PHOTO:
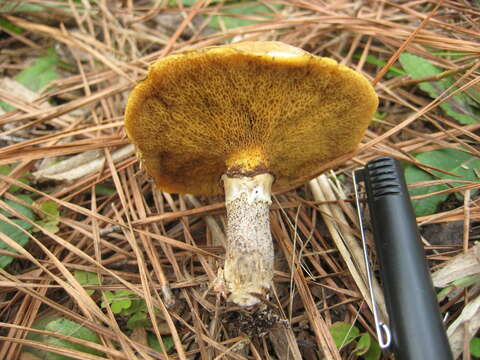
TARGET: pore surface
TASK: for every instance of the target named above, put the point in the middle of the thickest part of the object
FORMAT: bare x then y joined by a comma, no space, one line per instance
198,114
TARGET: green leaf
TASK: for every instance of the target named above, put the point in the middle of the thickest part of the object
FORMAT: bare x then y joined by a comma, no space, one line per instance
50,207
4,23
19,208
127,303
125,293
459,284
374,352
139,319
188,3
49,226
50,222
109,297
119,305
154,344
119,300
343,333
18,7
243,9
11,231
16,235
22,6
65,327
392,70
475,347
86,278
38,75
6,170
451,160
23,179
41,72
458,106
381,116
137,306
363,344
103,189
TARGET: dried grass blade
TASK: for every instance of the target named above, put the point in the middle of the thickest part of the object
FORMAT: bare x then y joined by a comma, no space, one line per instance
344,240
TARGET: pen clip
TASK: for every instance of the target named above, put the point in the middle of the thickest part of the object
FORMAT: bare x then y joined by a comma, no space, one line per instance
383,332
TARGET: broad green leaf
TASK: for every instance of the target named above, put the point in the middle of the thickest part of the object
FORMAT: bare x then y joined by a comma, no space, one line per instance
11,231
451,160
154,344
15,188
64,327
86,278
458,107
40,72
374,352
475,347
363,344
343,333
6,170
16,235
21,209
38,75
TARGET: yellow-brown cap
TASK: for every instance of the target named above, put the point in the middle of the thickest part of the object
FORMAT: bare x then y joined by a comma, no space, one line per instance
245,108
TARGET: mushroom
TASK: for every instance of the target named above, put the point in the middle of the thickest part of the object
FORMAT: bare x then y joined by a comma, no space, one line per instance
250,115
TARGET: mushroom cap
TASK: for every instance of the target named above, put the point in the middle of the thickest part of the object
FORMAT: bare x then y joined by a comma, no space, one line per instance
244,109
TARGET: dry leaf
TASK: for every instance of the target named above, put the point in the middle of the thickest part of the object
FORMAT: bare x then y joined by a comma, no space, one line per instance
470,319
81,165
460,266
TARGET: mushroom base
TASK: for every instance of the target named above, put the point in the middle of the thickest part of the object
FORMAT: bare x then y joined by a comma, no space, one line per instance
248,270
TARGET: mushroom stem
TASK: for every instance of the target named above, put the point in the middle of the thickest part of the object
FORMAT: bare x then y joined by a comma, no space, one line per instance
249,260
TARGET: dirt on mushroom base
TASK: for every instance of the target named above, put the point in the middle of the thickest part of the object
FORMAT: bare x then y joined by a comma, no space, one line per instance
255,322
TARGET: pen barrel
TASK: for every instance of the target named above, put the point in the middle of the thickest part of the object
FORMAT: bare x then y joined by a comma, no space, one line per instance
415,320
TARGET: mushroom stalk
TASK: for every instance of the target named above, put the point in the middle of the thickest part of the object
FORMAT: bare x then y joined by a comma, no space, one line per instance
248,267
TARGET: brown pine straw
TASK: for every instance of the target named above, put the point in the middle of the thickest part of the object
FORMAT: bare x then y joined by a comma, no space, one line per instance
167,247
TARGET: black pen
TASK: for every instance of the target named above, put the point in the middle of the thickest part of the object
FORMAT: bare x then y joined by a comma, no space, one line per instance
416,326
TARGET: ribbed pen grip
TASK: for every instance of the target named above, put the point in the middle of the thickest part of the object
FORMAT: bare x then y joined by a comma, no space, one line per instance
415,320
384,178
